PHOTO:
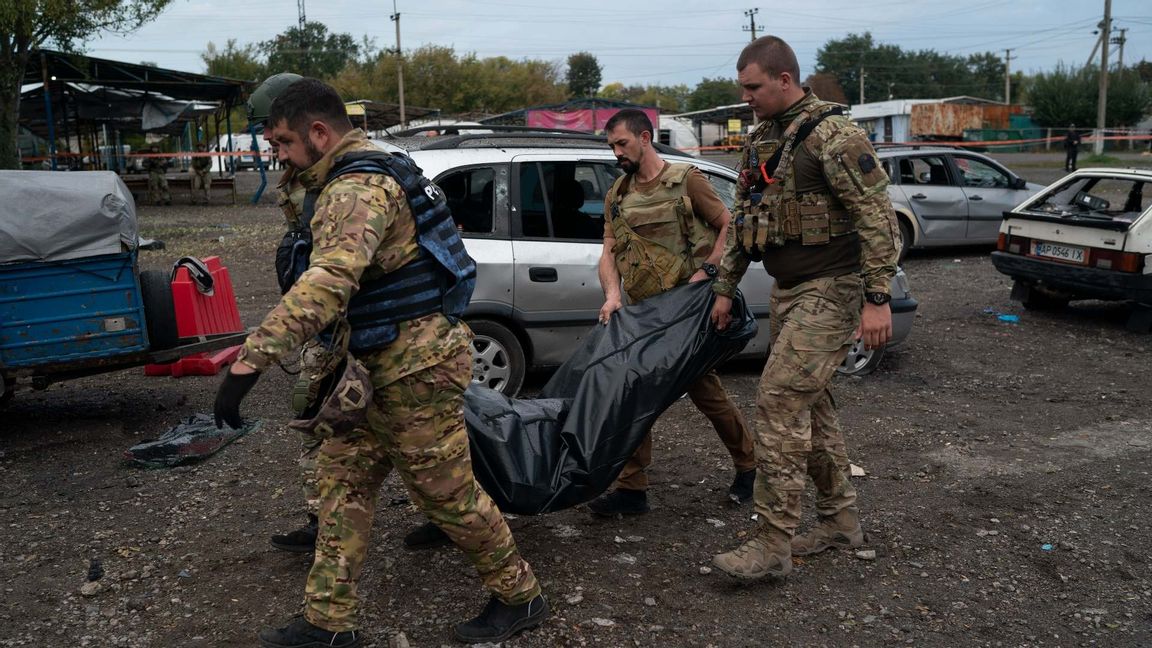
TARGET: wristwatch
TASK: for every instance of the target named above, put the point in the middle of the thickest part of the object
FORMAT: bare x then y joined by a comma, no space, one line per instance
877,298
710,270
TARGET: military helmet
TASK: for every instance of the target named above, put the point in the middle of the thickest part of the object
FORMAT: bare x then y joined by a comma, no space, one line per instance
260,102
341,404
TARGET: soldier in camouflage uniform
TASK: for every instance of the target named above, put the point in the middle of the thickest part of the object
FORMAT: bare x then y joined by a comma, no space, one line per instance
812,204
157,180
201,178
664,226
291,198
364,229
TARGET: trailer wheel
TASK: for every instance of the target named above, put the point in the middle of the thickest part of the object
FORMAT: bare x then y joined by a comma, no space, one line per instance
159,310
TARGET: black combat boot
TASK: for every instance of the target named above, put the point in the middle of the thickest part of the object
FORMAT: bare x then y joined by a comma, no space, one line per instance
302,540
299,633
622,501
741,489
426,536
499,620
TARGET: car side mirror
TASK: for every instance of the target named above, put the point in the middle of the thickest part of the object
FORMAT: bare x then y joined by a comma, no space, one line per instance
1019,183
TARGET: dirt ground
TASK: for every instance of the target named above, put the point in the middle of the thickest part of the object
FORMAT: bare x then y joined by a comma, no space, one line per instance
1007,497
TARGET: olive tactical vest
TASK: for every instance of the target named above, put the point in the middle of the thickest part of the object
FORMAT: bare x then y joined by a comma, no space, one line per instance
772,212
659,242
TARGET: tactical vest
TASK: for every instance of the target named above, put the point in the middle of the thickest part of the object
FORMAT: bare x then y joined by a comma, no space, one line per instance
440,280
772,212
655,233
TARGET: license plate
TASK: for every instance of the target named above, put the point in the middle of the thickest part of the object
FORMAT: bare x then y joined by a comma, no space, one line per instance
1069,253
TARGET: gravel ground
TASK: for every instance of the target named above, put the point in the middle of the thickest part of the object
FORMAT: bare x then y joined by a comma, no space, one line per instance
1006,498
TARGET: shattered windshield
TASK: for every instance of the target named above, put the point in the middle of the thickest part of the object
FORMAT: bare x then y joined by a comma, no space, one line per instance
1103,198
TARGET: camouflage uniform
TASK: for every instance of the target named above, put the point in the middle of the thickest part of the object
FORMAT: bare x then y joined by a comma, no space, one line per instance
829,235
363,228
660,242
201,179
291,201
157,180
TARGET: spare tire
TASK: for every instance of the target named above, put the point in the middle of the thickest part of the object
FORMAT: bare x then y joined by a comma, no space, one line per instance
159,310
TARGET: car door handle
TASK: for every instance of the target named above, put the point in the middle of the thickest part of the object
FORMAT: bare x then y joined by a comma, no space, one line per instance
918,196
544,275
975,198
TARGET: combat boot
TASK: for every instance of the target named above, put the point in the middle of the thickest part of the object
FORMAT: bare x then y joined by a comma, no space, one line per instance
299,633
622,501
766,554
839,531
302,540
426,536
498,620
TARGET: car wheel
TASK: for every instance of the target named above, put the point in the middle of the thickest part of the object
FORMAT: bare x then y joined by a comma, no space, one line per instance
497,357
906,239
860,361
1038,299
159,310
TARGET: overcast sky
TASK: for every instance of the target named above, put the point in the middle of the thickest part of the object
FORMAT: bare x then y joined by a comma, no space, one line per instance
664,42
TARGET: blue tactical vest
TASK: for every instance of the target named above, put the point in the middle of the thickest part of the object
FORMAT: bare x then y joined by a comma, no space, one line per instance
440,280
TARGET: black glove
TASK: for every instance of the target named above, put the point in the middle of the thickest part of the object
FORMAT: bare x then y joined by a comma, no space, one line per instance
232,390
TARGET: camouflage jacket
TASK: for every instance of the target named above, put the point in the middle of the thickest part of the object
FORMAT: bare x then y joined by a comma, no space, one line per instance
155,164
291,198
846,169
362,229
202,163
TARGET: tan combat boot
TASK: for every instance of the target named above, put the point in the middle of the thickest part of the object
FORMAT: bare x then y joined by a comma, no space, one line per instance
766,554
839,531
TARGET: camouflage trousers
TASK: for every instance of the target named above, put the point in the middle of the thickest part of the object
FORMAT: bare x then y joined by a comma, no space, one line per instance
709,397
201,181
417,427
798,433
158,189
309,443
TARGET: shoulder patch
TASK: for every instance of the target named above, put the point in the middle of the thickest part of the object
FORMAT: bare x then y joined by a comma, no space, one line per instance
866,162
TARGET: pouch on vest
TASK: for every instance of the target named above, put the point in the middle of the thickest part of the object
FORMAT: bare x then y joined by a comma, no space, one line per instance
339,393
291,255
646,267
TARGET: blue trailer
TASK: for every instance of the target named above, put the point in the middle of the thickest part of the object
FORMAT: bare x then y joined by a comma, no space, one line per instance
73,301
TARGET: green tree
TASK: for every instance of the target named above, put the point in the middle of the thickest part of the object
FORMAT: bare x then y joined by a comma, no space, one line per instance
65,24
1069,96
310,51
234,62
924,74
437,77
827,87
583,75
710,93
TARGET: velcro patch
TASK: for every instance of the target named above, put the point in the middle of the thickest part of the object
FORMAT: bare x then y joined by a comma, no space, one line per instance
866,163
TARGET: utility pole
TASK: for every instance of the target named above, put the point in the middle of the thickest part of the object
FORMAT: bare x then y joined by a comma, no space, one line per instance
1008,77
303,44
399,62
1102,98
751,13
862,75
1120,40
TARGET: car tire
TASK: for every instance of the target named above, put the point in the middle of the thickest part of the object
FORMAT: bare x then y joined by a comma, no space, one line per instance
159,310
860,361
906,239
497,357
1038,299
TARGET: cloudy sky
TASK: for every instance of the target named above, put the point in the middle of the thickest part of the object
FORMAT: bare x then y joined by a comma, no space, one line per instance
665,42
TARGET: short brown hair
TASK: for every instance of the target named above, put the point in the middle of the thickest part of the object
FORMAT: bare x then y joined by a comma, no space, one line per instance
306,101
637,122
773,55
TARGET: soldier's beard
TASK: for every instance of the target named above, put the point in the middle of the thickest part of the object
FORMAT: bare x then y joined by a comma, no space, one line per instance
314,154
627,165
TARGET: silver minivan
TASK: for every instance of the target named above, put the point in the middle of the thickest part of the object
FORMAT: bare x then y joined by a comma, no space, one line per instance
531,209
